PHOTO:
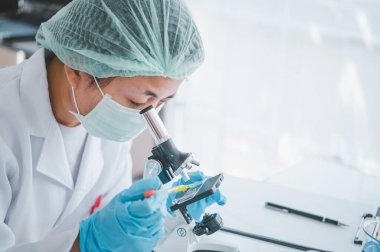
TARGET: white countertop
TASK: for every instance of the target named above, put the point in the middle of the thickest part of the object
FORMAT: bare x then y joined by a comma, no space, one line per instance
311,190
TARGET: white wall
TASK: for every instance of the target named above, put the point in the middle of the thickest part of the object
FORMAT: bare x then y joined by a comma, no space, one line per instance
283,80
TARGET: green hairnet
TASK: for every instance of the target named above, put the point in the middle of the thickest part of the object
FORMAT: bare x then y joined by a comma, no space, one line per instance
108,38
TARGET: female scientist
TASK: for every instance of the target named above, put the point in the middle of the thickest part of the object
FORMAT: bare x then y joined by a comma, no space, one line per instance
67,115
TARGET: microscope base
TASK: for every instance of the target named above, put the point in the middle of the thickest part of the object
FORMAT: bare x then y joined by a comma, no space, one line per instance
211,246
182,239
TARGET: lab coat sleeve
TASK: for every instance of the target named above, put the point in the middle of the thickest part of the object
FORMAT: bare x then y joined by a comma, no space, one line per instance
8,175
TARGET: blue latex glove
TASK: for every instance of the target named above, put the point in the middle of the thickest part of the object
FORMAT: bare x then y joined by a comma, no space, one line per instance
197,209
128,222
371,246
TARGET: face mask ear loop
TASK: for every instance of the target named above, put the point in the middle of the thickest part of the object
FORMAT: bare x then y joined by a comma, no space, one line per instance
75,100
97,84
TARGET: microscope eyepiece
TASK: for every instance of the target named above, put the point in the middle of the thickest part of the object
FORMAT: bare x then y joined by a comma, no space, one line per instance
156,126
146,109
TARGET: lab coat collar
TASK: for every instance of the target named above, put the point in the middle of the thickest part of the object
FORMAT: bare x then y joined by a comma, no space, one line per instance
34,96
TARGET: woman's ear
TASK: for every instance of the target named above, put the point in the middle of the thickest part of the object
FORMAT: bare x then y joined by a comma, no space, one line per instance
76,77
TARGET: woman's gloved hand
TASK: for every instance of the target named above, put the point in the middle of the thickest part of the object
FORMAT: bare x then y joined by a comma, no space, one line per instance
197,209
371,246
128,222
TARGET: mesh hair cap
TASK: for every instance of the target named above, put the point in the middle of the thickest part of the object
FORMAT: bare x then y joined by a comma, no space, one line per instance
108,38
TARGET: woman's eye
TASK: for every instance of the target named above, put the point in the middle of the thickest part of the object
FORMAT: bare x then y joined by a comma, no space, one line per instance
165,100
136,104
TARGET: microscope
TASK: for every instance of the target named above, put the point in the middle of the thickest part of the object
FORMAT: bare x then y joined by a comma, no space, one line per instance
167,162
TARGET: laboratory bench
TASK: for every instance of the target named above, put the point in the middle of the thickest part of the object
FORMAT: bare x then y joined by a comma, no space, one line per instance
321,187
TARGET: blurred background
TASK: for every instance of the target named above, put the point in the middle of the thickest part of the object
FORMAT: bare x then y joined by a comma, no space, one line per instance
289,89
283,80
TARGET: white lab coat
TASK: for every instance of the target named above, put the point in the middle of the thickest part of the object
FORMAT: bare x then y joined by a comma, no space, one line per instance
40,208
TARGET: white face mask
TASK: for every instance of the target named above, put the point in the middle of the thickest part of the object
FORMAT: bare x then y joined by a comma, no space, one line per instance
111,120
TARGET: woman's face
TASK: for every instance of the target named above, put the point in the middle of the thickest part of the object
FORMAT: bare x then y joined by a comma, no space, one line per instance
132,92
